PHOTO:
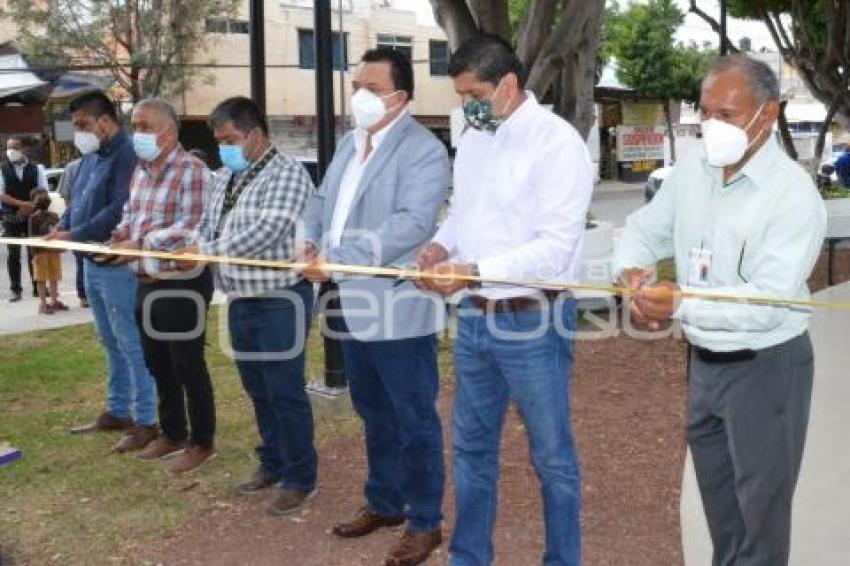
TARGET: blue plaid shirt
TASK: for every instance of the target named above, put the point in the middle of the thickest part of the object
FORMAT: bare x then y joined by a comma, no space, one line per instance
261,224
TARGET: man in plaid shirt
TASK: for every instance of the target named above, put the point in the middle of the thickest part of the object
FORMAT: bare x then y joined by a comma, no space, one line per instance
168,193
253,213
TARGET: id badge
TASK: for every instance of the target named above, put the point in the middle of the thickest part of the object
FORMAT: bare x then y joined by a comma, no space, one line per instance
699,267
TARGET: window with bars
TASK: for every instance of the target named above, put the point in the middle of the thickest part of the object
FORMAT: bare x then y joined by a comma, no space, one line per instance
307,50
439,58
219,25
397,42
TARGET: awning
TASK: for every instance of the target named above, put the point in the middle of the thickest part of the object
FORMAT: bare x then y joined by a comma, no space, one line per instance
805,111
15,77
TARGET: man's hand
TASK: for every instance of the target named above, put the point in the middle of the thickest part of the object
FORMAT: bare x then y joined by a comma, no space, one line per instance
431,255
119,259
306,253
449,283
632,281
657,303
59,235
187,264
26,208
315,274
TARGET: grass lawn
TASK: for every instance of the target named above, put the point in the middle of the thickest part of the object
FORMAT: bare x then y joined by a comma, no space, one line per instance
70,501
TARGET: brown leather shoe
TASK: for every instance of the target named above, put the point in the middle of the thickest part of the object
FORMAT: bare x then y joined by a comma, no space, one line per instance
414,548
105,422
288,501
259,481
137,438
364,522
192,458
162,449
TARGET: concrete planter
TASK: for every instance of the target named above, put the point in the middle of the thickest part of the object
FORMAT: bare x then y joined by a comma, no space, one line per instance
838,218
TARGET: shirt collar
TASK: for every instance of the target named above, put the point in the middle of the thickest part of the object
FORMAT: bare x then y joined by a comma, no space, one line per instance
361,135
112,143
520,113
761,164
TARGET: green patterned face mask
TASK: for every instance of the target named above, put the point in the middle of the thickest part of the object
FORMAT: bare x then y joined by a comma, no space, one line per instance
479,113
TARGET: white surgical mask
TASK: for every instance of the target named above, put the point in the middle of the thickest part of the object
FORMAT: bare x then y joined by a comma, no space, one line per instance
368,108
725,143
146,146
14,155
86,142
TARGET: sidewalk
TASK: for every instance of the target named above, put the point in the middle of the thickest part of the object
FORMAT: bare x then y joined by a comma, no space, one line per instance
607,186
822,501
23,316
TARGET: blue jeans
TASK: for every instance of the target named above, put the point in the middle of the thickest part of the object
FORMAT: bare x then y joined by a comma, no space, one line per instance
267,325
393,387
131,390
490,369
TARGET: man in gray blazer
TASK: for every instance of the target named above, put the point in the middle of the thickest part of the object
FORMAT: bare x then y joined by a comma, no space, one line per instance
377,206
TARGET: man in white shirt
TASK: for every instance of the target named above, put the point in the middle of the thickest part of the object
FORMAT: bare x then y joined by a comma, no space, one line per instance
19,177
377,206
522,185
741,219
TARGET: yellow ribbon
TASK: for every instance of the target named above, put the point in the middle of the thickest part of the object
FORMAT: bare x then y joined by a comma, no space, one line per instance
397,273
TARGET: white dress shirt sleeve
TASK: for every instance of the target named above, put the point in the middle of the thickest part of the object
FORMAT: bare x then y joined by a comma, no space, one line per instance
562,194
446,235
781,267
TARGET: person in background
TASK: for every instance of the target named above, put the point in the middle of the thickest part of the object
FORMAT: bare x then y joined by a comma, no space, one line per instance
842,167
741,219
66,190
19,176
47,263
100,191
168,194
257,202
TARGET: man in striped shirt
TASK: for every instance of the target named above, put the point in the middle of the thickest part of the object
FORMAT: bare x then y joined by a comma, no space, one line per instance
253,213
168,193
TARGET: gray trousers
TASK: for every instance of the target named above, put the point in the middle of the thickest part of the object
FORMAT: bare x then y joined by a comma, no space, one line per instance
747,424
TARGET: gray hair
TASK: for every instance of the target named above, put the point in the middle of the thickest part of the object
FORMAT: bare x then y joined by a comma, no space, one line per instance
763,82
163,107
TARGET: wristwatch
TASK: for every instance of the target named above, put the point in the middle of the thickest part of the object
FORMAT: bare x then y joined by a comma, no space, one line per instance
474,272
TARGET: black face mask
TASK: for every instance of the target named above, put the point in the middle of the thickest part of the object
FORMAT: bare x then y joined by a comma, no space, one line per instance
42,203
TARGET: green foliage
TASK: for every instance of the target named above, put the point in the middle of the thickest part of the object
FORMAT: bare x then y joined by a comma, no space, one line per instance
809,23
836,191
143,43
649,59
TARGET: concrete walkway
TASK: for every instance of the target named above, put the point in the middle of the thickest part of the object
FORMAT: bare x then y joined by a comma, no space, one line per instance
23,316
822,502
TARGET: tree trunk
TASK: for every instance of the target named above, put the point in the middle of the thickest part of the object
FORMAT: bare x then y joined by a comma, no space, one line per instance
492,16
785,133
456,20
671,135
830,115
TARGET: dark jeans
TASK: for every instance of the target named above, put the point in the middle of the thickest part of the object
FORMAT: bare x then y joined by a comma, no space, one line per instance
747,425
172,320
13,260
269,335
394,388
81,281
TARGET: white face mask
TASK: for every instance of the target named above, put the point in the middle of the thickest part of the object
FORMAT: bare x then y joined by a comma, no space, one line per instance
86,142
726,144
14,155
368,108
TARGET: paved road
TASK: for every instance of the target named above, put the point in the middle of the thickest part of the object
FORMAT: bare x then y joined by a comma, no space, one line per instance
615,205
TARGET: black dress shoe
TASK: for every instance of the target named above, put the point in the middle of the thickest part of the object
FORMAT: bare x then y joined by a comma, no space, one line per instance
15,298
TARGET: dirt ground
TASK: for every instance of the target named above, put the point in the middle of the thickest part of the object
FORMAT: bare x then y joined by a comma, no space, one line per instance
628,411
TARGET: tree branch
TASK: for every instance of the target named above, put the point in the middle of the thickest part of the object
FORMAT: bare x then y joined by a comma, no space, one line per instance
715,26
456,20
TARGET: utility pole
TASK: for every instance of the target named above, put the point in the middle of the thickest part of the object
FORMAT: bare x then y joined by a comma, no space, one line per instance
335,381
258,53
724,48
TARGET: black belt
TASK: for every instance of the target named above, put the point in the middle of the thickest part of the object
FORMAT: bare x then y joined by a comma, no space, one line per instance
513,304
712,357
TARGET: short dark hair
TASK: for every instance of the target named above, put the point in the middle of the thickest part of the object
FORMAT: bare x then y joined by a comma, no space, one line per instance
488,56
243,112
401,68
95,104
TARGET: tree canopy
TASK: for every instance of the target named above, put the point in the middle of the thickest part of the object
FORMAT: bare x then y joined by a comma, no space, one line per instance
144,44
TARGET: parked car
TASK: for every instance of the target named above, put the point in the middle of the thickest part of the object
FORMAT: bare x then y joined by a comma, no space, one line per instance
57,203
653,183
